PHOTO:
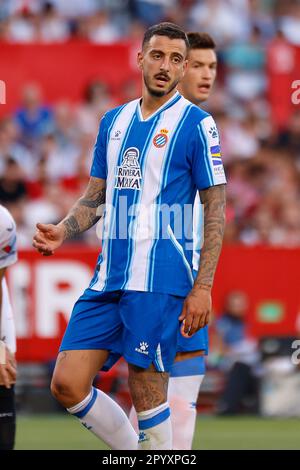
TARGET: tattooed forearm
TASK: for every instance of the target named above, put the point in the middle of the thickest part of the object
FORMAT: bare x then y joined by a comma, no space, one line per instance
100,198
71,227
148,388
85,213
214,223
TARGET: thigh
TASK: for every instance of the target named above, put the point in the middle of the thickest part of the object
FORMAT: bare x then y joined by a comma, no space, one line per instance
78,368
148,387
150,325
94,324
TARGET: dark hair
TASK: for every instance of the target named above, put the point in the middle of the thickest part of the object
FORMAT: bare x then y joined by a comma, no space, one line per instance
171,30
200,41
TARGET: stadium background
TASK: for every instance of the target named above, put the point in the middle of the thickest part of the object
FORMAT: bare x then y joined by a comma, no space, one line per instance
66,63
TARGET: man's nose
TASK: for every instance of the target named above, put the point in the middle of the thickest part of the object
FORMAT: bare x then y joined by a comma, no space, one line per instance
165,64
207,73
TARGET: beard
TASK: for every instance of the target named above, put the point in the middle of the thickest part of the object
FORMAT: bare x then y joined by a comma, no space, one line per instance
159,93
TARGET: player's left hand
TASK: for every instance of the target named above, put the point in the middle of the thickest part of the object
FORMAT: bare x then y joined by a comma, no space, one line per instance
196,311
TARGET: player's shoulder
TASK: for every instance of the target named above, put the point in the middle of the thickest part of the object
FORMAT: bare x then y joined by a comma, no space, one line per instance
7,222
112,113
7,236
197,115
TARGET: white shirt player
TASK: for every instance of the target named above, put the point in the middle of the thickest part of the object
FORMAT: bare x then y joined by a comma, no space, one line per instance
8,256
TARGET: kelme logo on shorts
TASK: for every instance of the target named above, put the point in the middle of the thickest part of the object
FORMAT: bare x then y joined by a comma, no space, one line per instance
128,175
143,348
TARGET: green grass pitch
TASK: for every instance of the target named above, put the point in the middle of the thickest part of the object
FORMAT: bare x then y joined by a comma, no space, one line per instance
62,432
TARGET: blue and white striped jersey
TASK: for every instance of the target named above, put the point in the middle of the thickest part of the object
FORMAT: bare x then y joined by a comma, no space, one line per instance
153,168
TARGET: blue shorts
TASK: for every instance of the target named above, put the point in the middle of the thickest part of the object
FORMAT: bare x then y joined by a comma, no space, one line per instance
140,326
197,342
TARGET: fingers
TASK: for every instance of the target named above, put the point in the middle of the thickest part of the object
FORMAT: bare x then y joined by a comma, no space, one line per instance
4,376
193,320
41,247
38,238
11,371
195,325
183,312
44,227
188,323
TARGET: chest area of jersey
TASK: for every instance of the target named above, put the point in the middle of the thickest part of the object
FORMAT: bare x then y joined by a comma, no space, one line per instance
141,153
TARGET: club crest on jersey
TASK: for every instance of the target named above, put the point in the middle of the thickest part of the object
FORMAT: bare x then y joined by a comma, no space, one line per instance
128,175
161,139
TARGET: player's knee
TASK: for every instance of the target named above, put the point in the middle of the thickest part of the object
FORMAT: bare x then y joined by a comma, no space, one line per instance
65,392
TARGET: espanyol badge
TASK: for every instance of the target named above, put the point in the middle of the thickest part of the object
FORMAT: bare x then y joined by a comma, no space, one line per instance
161,139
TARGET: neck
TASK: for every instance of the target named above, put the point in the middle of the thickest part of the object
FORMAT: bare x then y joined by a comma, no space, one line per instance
151,103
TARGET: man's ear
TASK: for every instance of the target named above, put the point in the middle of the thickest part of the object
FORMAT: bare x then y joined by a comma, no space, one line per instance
139,60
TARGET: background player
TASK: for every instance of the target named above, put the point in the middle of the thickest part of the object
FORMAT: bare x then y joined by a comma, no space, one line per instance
8,256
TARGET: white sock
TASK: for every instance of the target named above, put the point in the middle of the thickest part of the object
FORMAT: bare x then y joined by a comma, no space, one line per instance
133,419
182,395
155,429
105,418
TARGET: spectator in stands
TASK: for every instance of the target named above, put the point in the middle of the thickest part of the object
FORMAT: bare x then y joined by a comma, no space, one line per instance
12,183
152,11
34,119
240,356
97,100
53,27
9,145
245,60
102,30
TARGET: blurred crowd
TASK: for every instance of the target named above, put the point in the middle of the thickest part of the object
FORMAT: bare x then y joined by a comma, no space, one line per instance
107,21
46,151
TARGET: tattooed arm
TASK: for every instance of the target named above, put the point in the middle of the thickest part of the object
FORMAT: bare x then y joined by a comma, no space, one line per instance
197,306
83,215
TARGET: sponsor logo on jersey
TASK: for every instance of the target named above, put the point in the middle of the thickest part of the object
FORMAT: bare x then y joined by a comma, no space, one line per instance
213,132
7,249
215,152
116,135
161,139
219,171
128,175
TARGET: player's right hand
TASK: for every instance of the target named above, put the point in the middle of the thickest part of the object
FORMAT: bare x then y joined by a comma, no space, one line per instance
48,238
8,371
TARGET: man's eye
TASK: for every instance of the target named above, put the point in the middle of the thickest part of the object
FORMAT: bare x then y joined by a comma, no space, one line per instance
156,56
176,60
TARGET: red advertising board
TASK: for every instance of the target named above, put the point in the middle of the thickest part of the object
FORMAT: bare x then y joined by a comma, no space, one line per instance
283,70
62,70
43,291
